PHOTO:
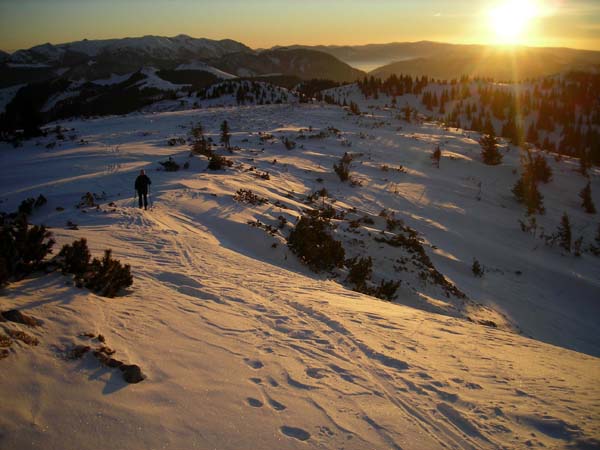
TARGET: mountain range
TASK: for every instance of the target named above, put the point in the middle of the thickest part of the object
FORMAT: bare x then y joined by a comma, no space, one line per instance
447,61
97,59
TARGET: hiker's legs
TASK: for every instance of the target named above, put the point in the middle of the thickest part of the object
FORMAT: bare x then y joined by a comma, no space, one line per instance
140,199
145,201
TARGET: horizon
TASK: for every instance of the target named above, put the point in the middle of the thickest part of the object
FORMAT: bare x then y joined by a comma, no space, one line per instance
532,23
298,44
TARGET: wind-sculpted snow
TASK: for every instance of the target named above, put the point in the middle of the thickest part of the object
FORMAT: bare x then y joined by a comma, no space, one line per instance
243,347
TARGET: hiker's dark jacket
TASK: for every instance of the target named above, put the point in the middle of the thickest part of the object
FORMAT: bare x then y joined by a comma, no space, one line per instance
141,184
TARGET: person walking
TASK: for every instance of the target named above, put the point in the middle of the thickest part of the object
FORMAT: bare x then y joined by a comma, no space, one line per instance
141,186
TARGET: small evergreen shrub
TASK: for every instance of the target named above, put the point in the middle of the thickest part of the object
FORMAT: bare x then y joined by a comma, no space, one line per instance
343,168
289,144
312,242
386,290
586,199
489,150
540,169
23,247
526,192
169,165
360,271
75,257
27,206
172,142
247,196
107,276
217,162
477,269
564,234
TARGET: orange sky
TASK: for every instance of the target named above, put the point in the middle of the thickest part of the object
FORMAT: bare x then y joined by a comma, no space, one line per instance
264,23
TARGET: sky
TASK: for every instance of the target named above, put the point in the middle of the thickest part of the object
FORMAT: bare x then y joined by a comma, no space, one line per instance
265,23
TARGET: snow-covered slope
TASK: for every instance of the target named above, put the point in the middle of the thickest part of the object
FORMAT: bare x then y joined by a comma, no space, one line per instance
203,67
243,347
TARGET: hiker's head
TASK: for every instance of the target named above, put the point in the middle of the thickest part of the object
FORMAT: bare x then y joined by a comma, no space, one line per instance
142,172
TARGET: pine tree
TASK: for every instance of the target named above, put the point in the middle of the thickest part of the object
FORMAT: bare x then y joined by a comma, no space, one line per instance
586,199
489,150
225,134
564,233
527,193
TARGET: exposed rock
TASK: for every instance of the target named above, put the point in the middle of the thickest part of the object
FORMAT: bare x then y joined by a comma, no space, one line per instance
112,362
132,373
78,351
17,316
5,341
23,337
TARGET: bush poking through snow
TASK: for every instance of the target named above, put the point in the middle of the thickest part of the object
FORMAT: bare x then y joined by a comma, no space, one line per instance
226,135
107,276
564,234
540,169
343,168
312,242
23,247
249,197
169,165
201,145
436,156
386,290
360,271
489,150
26,207
289,144
217,162
172,142
477,269
75,257
586,199
526,192
88,200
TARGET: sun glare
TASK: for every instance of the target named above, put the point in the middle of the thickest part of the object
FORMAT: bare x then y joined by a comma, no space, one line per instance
510,20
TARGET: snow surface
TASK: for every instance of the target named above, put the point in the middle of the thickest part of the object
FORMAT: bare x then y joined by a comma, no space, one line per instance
198,65
152,80
243,347
113,79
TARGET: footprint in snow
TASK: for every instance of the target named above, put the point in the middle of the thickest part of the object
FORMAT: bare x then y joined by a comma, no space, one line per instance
315,372
254,402
276,405
254,363
296,433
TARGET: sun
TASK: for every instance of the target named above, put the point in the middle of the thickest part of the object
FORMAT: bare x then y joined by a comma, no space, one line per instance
509,20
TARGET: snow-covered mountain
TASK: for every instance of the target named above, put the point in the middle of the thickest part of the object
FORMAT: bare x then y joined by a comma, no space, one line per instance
303,63
243,346
448,61
154,47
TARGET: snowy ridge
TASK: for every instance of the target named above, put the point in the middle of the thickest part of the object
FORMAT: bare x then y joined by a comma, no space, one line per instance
150,46
197,65
244,347
153,81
